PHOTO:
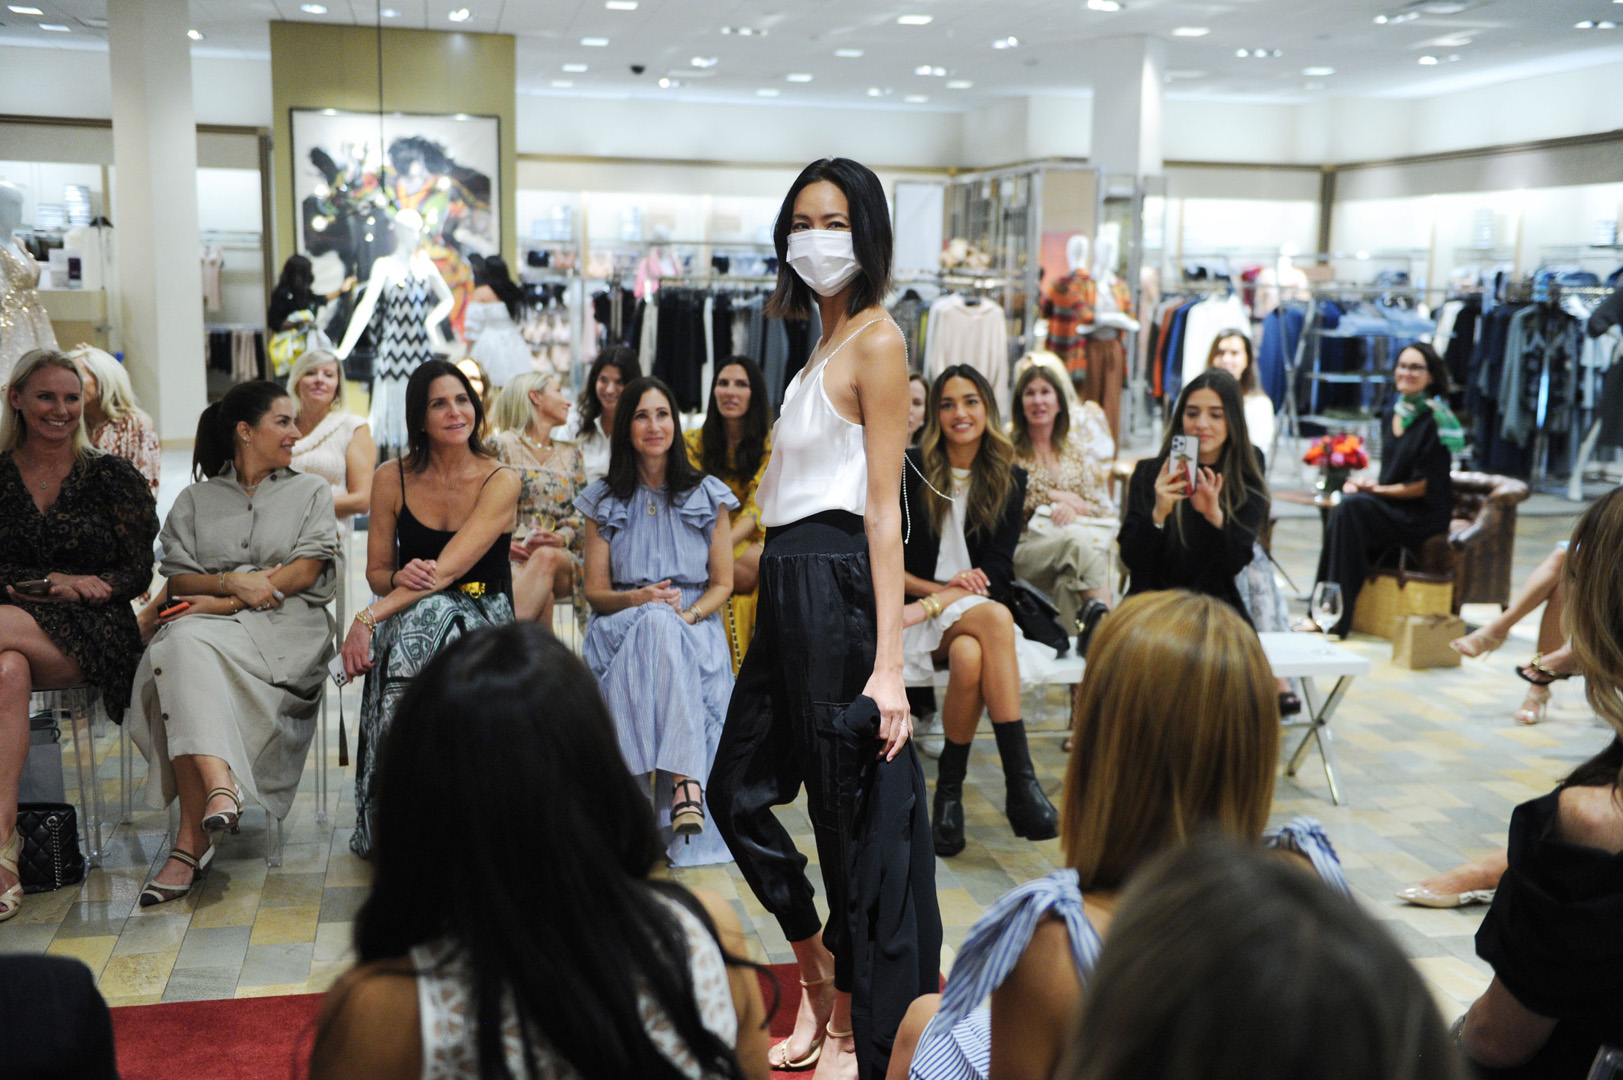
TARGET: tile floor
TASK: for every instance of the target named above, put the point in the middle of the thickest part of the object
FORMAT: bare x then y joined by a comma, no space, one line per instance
1433,766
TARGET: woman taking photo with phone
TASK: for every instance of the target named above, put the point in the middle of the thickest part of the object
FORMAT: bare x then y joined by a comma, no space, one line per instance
820,692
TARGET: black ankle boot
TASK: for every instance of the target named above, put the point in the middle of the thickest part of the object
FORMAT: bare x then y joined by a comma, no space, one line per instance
1030,813
947,813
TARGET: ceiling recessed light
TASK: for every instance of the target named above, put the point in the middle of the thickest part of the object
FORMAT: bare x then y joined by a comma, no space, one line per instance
1427,61
1191,31
620,5
1606,24
595,42
56,28
916,99
768,91
389,13
852,54
1319,71
1242,53
313,9
1587,24
959,84
926,69
562,84
798,76
1104,5
1381,20
459,15
577,68
195,35
743,31
1014,42
874,91
20,10
916,20
668,83
705,61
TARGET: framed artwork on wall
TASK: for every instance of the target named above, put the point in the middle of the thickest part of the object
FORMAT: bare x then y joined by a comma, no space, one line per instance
353,171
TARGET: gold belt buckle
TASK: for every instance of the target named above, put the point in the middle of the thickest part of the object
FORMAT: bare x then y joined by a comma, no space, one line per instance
473,588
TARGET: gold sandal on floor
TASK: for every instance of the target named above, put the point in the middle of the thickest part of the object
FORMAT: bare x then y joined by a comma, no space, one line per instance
778,1056
227,820
157,893
11,901
1477,643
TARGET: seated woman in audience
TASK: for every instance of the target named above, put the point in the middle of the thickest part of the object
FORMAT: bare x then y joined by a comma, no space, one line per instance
1230,964
918,395
114,421
82,523
659,566
436,552
734,446
591,419
1177,732
1413,497
333,444
1233,352
1554,935
965,496
229,688
551,951
547,549
1175,538
1067,547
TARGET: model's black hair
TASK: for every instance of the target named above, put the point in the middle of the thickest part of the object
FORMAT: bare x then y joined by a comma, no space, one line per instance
558,922
1227,963
416,456
1435,367
757,424
870,236
623,359
492,271
216,443
1242,473
680,474
299,276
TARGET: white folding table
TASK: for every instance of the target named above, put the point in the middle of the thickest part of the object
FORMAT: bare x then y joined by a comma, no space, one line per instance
1306,657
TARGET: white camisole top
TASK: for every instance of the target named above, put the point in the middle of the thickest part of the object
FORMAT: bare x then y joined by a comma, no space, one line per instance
819,460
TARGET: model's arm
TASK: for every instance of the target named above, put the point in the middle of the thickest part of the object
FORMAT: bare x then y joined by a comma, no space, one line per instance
880,380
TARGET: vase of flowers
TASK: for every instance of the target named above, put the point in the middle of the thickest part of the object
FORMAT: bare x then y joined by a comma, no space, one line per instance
1337,456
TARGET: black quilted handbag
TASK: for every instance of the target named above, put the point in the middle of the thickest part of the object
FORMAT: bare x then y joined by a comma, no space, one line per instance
50,857
1038,619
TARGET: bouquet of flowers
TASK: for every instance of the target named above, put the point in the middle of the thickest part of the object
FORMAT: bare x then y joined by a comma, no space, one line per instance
1341,452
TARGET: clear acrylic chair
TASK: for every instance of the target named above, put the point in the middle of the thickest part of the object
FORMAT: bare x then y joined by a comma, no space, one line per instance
76,702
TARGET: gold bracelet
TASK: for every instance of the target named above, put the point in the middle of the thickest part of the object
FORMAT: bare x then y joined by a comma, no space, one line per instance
931,605
220,580
367,619
694,611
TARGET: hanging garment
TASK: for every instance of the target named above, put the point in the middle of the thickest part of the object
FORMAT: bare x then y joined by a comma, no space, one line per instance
1206,320
976,334
1281,334
400,326
213,263
24,325
244,361
1107,368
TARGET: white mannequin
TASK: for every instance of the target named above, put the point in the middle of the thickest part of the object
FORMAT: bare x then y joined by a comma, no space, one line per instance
24,325
1282,281
409,259
1106,317
1076,253
658,263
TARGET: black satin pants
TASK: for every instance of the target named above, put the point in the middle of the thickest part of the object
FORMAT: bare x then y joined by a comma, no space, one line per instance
811,656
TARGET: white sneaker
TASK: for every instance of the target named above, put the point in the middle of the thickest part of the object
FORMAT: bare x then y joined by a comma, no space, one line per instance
929,735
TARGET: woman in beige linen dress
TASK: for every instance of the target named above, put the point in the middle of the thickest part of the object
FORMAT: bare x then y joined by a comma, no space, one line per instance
228,689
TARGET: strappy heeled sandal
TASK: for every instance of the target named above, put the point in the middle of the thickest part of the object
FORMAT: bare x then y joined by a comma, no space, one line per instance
11,901
1536,707
156,893
687,815
778,1056
227,820
1476,643
1541,676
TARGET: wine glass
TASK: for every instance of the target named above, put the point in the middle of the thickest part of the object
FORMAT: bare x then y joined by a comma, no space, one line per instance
1326,605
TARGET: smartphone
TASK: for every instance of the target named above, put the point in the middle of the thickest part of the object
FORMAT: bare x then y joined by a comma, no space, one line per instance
173,607
39,587
336,670
1185,449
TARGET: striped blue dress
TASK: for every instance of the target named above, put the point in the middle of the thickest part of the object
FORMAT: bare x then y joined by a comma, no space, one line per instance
666,683
957,1043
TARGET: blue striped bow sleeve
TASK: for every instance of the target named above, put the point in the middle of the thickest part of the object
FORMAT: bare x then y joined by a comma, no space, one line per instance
1305,836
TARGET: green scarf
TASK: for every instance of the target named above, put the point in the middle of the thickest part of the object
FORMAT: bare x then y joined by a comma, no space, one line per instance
1411,407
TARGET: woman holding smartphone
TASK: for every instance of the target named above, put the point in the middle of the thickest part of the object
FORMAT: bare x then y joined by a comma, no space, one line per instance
819,699
1181,536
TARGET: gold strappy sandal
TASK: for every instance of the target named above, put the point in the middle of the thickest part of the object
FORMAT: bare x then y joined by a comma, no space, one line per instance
11,901
778,1056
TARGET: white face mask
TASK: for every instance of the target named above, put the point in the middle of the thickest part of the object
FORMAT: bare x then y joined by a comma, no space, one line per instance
825,259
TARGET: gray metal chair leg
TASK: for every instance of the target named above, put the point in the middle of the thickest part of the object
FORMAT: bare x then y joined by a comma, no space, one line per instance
275,839
84,754
126,775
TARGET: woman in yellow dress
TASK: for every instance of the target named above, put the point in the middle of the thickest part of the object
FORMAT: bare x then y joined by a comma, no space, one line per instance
734,445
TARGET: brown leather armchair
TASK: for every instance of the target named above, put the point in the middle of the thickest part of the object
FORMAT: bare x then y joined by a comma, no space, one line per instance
1481,540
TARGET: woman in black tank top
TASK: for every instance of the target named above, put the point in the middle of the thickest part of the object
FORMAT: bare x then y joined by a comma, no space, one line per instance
437,578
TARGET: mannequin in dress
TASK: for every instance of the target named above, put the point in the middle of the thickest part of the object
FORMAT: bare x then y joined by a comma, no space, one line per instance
404,283
24,325
1282,281
658,263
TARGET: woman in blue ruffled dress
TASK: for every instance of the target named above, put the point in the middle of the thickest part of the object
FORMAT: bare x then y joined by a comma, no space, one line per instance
1176,727
657,572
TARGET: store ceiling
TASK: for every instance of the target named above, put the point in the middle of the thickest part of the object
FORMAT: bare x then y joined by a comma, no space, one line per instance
1299,49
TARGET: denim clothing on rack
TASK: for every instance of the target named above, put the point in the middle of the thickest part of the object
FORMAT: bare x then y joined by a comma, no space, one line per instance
1281,334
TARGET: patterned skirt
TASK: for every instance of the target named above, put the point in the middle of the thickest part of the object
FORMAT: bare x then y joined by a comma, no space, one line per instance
404,644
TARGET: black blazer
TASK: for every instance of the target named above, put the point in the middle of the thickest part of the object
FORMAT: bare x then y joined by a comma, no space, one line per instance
992,553
1210,560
